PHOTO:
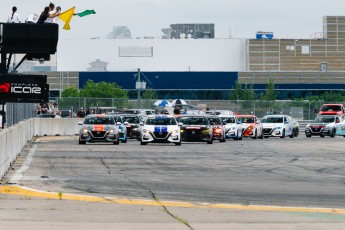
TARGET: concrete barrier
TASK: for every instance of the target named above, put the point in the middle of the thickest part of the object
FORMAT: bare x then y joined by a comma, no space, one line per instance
13,139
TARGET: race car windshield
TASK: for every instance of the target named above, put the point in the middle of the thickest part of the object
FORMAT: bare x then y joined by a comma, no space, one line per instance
99,121
131,120
228,119
160,121
324,119
325,108
118,119
194,121
214,121
247,120
272,120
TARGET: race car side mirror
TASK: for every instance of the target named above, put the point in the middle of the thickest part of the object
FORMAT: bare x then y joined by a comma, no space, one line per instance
80,123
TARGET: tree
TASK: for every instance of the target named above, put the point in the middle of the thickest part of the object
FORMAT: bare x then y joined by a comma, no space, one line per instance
248,92
236,92
270,93
102,90
149,94
70,92
240,92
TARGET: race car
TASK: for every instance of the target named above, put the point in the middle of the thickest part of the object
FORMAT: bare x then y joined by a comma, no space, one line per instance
233,127
122,128
278,126
333,127
217,128
251,127
132,125
160,129
99,128
196,128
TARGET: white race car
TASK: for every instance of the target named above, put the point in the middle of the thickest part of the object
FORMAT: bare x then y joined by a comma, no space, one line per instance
160,129
233,127
278,126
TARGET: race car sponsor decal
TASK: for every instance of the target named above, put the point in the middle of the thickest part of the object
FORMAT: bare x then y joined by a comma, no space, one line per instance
98,128
5,87
193,127
161,129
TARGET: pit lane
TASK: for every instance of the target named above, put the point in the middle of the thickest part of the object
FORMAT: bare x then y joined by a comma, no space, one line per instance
301,172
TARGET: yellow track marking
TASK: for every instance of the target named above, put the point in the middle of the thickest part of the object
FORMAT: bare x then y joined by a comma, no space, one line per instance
27,192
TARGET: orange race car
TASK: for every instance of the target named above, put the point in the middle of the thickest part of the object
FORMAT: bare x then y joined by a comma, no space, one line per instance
251,127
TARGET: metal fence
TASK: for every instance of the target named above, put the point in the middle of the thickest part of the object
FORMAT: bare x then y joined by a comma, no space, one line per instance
16,112
301,110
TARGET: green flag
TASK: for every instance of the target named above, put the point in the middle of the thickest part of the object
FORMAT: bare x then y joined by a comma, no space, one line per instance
86,12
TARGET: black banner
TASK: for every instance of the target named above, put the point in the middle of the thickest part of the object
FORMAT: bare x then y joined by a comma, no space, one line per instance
23,88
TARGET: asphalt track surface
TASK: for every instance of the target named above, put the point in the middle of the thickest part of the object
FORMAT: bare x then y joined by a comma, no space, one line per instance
299,172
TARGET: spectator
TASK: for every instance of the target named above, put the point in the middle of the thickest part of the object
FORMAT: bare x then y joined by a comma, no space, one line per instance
44,108
3,116
81,113
32,18
56,110
176,110
14,17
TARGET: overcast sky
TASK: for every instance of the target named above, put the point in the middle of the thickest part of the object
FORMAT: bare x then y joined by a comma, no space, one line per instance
287,19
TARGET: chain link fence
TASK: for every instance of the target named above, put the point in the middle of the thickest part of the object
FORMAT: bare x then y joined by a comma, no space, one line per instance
300,110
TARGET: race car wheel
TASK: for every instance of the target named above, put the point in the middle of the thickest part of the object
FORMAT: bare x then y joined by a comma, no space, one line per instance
210,142
82,142
308,135
116,142
255,135
262,135
321,135
143,143
124,141
296,132
223,139
332,133
178,143
292,134
283,134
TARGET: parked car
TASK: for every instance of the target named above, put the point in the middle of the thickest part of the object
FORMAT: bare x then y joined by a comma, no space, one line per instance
160,129
278,126
233,127
218,128
142,112
220,112
132,125
99,128
196,128
332,109
251,126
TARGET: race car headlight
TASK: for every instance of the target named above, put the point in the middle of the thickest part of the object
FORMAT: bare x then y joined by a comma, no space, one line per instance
232,128
85,130
218,130
278,127
174,131
111,131
182,131
206,131
135,129
146,131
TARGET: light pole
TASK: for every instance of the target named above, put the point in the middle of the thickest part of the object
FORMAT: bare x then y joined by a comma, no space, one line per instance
138,87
